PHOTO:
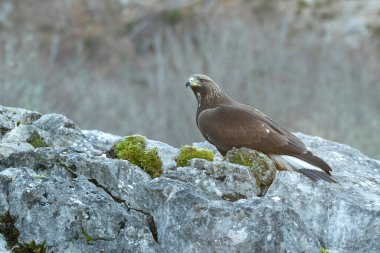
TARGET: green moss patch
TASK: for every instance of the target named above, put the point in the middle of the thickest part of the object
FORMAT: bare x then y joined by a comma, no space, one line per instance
261,165
37,141
323,250
31,247
9,230
188,152
133,148
88,237
11,234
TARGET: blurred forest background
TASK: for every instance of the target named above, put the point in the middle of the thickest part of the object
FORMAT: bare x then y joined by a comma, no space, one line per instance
121,65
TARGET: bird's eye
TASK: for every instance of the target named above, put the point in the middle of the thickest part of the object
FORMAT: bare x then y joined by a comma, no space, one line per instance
202,80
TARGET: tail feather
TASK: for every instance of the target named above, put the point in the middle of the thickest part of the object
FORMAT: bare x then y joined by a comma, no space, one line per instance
315,160
317,175
309,166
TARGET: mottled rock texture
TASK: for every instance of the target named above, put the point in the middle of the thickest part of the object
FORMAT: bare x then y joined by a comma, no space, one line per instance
70,195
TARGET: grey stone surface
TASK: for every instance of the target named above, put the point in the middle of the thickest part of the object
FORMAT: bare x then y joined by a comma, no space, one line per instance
10,117
228,181
101,140
8,148
74,198
62,132
22,133
16,116
5,124
74,215
345,216
166,152
3,245
120,178
189,219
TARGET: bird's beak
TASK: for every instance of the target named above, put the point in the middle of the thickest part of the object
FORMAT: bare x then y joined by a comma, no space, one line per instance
192,82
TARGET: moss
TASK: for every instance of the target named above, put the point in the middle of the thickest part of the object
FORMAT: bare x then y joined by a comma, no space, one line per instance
151,163
323,250
90,238
31,247
39,176
261,165
188,152
133,148
242,158
11,234
37,141
87,236
9,230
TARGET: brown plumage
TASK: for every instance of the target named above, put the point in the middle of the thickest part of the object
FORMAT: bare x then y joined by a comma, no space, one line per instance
226,123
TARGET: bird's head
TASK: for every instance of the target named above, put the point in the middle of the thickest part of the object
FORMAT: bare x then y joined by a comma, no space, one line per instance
204,88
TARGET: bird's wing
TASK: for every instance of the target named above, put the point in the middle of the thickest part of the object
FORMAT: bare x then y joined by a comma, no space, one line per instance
228,126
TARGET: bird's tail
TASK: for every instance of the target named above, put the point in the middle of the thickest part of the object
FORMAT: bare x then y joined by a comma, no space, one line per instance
311,166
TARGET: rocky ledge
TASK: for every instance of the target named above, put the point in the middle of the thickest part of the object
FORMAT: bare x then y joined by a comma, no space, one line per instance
61,192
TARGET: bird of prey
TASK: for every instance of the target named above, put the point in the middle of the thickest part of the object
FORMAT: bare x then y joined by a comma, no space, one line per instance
226,124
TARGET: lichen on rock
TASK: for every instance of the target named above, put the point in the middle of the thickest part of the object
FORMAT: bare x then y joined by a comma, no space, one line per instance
133,148
188,152
8,229
30,247
37,141
260,165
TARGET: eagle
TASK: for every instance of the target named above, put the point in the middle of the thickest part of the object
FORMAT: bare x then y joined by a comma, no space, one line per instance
228,124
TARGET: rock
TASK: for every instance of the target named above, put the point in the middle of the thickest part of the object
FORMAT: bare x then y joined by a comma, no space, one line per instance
9,148
3,245
166,152
100,140
227,181
118,177
105,141
73,215
26,133
62,132
261,166
189,219
205,144
345,216
5,125
75,199
12,116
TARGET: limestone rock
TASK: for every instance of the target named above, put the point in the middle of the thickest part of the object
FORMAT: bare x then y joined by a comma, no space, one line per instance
101,140
62,132
76,199
345,216
259,164
3,245
73,215
8,148
12,116
189,219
